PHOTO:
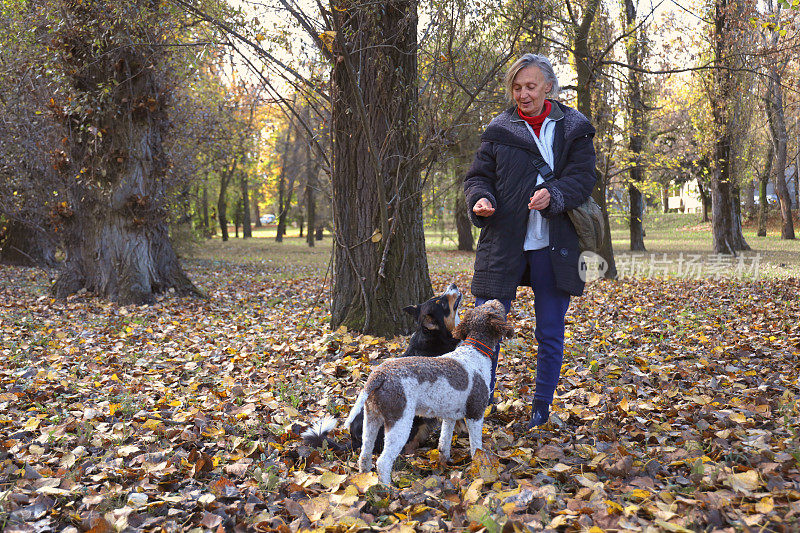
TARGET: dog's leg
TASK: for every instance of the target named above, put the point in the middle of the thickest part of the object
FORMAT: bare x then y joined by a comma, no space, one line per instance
372,423
475,428
393,441
446,439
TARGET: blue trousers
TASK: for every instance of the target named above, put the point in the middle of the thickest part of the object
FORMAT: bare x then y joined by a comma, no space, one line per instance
550,305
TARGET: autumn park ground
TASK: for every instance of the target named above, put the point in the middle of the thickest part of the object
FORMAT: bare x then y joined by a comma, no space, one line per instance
677,409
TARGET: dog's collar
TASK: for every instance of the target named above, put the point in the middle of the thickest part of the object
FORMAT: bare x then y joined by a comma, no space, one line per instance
478,345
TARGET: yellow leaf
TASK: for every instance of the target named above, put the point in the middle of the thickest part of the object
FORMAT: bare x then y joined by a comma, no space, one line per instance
376,235
744,481
477,513
474,491
594,399
640,494
485,467
315,507
151,424
364,481
32,424
329,480
739,418
113,408
327,39
613,507
766,505
623,404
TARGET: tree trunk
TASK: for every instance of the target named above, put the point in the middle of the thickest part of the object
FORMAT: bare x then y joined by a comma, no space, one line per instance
705,198
257,212
380,263
664,199
763,206
247,231
222,203
311,208
115,227
725,226
22,245
749,199
282,202
284,213
736,216
586,79
206,220
780,140
637,212
466,241
637,129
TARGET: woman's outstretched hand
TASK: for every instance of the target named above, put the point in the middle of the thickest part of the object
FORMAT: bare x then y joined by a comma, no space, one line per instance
483,208
539,200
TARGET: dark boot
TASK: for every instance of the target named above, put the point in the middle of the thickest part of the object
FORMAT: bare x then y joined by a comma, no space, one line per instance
539,414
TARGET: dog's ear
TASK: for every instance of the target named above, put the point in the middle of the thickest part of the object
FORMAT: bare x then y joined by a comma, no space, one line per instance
501,326
412,310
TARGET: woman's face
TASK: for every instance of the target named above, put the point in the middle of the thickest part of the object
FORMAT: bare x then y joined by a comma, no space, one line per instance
529,90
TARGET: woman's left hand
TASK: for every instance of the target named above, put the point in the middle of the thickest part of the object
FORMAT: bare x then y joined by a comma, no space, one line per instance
539,200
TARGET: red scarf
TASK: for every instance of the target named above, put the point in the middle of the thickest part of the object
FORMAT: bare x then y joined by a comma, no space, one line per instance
537,121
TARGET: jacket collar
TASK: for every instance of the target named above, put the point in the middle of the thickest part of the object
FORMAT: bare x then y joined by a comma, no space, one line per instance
507,128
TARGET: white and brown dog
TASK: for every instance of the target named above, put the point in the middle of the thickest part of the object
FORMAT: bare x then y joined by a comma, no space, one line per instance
451,387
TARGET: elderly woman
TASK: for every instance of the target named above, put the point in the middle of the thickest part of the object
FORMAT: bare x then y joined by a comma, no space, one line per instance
536,161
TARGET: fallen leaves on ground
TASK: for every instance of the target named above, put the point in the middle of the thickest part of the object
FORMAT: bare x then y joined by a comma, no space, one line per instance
677,411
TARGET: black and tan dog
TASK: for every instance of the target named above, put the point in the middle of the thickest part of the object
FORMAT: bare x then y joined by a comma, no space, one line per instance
436,320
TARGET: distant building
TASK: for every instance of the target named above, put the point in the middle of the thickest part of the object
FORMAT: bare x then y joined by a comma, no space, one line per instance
685,197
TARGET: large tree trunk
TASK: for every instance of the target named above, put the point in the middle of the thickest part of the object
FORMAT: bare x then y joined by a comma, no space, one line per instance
725,226
780,140
22,245
380,264
586,78
637,129
115,231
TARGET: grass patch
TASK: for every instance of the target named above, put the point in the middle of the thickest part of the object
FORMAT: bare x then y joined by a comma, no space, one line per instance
673,238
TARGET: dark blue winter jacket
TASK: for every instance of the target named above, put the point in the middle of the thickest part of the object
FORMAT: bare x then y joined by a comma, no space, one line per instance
504,173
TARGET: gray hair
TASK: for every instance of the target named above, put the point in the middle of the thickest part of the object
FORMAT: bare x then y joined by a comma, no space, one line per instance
532,60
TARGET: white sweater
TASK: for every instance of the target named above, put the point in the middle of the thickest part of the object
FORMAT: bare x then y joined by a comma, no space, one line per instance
538,235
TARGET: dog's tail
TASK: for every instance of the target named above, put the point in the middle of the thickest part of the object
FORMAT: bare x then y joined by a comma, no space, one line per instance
357,408
317,433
